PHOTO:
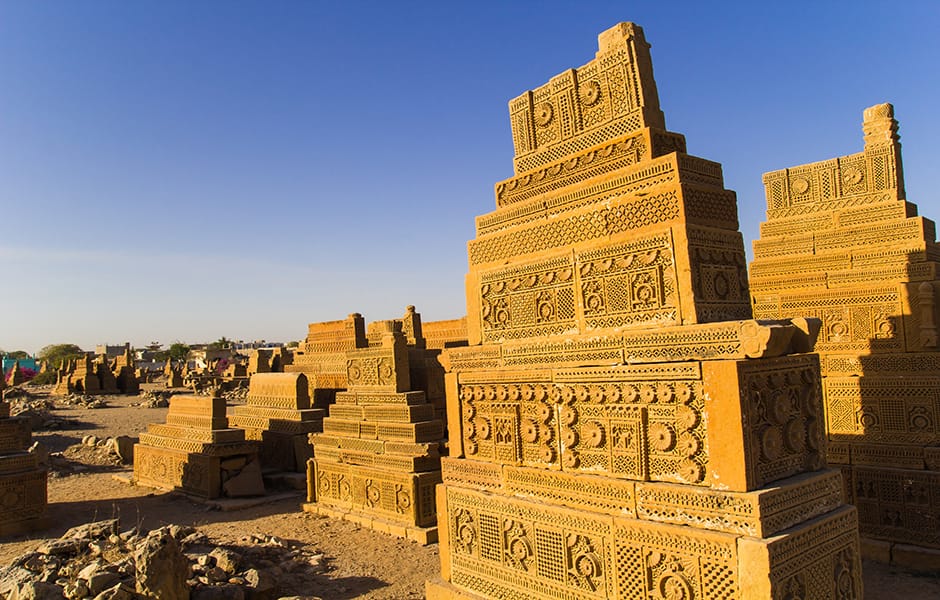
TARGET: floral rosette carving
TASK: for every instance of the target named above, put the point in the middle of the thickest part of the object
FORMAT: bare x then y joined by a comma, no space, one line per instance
688,445
545,412
590,93
547,454
530,431
686,417
543,114
483,428
662,437
690,471
593,434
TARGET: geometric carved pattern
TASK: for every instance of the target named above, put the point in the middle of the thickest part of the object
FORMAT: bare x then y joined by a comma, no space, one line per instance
620,427
22,481
187,453
843,245
378,458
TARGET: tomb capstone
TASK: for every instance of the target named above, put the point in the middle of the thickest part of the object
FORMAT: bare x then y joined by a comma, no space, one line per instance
841,243
619,426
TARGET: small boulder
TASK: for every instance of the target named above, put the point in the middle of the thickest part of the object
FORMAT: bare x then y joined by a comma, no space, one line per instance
92,531
37,590
226,560
119,591
261,585
162,570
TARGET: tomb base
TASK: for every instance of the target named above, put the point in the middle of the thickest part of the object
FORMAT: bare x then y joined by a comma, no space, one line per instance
23,497
496,545
23,483
398,503
421,535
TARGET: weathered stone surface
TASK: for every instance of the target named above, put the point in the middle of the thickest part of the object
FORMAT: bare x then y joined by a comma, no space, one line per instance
37,590
226,560
248,482
119,591
23,481
261,585
161,568
218,592
278,413
91,531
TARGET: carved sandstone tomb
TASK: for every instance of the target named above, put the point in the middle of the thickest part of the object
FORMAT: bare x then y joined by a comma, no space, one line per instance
842,244
278,414
378,459
196,452
23,482
619,428
322,355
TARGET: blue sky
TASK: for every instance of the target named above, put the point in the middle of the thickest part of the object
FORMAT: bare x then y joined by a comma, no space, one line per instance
188,170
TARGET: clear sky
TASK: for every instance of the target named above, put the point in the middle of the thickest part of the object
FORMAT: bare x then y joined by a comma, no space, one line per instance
189,170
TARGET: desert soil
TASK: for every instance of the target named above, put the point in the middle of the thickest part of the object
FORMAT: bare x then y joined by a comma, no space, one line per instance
361,563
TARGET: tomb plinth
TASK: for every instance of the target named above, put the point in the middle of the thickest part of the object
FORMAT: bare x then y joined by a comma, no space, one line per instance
278,414
377,461
23,482
841,243
619,425
196,452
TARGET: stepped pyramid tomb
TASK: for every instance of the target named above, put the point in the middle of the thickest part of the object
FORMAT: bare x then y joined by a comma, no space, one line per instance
278,414
22,481
377,461
619,426
842,244
196,452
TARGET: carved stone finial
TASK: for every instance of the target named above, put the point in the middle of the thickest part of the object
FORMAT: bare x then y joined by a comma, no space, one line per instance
618,33
879,125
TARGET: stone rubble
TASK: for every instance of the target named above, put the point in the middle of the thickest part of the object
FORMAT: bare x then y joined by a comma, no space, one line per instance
98,561
153,399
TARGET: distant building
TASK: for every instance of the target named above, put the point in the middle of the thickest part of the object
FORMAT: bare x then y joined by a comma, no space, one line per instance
111,351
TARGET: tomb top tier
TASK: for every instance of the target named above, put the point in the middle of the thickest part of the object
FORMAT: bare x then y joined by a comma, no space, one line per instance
869,177
608,226
612,95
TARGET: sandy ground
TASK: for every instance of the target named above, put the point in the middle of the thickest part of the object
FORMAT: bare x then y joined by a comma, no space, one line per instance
362,563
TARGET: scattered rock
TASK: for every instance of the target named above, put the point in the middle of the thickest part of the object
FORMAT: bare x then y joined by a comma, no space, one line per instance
37,590
226,560
162,569
261,585
218,592
123,447
92,531
94,562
